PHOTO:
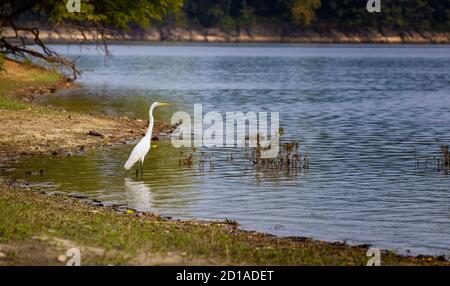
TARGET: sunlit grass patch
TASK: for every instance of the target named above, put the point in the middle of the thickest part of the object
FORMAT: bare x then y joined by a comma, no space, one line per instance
41,76
10,104
17,76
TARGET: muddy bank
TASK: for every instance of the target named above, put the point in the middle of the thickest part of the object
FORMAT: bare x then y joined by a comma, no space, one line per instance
42,131
31,129
254,34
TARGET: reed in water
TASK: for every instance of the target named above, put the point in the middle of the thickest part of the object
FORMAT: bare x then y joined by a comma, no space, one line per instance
289,159
440,163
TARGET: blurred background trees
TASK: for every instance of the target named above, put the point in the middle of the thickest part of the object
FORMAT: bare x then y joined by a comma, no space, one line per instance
26,17
344,14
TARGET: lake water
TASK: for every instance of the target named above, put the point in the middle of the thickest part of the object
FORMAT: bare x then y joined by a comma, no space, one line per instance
362,113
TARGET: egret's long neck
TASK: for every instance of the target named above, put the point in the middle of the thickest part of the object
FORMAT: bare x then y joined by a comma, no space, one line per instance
150,124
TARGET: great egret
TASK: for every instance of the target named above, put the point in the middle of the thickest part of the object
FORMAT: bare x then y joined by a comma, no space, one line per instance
141,149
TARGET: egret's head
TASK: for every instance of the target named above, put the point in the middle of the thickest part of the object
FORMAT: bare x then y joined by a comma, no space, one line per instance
157,103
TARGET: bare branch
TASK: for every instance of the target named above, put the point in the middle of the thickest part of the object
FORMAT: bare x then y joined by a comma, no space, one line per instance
47,55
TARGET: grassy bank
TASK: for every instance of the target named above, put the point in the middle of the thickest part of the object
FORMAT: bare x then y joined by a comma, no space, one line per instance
38,228
18,79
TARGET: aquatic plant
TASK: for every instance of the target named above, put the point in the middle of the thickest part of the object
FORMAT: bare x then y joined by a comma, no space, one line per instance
444,161
187,161
288,160
440,163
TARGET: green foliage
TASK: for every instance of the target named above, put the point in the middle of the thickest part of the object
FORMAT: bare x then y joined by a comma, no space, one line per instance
345,14
246,16
396,14
119,13
227,23
302,11
110,13
231,14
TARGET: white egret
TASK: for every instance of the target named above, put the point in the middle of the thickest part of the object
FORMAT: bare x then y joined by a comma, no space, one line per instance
143,147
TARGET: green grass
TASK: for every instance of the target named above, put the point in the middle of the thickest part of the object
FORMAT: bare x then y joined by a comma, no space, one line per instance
44,77
11,104
33,78
15,78
24,214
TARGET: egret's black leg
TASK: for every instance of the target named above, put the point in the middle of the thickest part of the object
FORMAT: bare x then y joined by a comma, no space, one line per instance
137,170
142,169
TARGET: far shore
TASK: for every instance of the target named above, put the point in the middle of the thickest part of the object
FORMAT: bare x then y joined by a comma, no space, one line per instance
37,228
257,34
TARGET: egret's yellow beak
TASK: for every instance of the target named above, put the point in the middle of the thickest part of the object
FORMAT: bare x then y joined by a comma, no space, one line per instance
164,103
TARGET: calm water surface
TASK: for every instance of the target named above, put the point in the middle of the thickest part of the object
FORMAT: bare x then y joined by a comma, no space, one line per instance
362,113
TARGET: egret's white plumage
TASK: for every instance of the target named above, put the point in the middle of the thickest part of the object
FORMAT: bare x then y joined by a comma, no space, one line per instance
143,147
139,152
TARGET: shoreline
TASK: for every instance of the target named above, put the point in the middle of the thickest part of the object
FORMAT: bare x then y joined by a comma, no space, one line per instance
37,227
257,34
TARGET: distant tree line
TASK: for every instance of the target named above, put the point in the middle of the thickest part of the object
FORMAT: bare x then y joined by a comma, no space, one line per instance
341,14
107,16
